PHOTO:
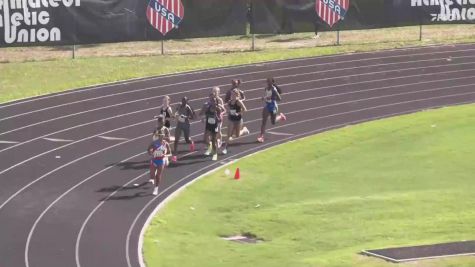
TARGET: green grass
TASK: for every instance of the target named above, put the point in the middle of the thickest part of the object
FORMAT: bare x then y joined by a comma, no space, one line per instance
26,79
401,181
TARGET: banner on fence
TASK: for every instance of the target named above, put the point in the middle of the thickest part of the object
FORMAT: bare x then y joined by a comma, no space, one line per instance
58,22
289,16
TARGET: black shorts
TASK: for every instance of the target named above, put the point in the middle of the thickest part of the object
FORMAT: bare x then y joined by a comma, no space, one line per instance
235,118
167,124
236,122
212,127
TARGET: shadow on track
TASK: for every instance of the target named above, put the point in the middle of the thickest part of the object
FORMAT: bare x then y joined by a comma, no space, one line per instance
128,197
121,188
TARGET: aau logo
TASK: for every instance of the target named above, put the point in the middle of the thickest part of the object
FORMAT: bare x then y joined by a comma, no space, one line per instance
164,15
332,11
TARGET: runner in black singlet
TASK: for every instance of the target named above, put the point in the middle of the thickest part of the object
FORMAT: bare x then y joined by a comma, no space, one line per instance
184,114
235,119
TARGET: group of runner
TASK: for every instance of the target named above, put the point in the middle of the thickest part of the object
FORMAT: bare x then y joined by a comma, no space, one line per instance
212,114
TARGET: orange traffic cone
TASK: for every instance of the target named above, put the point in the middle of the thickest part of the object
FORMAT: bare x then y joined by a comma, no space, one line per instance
237,175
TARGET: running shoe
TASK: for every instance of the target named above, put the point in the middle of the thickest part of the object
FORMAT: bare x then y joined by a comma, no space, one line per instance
155,191
208,151
225,151
245,130
283,117
215,157
260,139
152,181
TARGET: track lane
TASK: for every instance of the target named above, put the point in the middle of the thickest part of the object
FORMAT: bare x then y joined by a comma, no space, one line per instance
38,117
57,217
118,87
134,231
249,76
323,96
33,134
294,115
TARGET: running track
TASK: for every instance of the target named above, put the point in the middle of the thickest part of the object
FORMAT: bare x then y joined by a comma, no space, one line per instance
69,161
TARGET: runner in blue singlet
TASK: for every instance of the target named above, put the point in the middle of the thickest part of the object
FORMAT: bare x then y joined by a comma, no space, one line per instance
271,109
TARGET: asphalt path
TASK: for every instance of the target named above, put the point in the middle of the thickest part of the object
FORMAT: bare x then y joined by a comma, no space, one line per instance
70,161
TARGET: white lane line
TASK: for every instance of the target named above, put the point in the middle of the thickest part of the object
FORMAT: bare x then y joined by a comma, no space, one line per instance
255,89
82,125
283,76
58,140
160,205
417,259
142,79
74,187
85,222
99,151
281,134
375,97
83,226
30,234
65,165
289,102
87,179
8,142
113,138
286,125
67,145
264,71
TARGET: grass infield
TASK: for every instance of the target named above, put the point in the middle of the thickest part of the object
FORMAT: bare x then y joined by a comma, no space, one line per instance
400,181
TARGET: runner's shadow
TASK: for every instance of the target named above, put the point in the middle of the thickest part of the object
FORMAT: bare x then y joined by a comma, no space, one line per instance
238,144
129,197
121,188
195,156
180,152
187,162
132,165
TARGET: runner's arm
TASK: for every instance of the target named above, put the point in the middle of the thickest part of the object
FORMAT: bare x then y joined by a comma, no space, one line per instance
279,98
169,150
170,111
227,98
242,95
167,134
243,107
150,149
191,113
203,110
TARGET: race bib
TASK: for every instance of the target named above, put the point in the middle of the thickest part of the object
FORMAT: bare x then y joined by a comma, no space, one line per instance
233,112
182,119
211,120
158,153
269,93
